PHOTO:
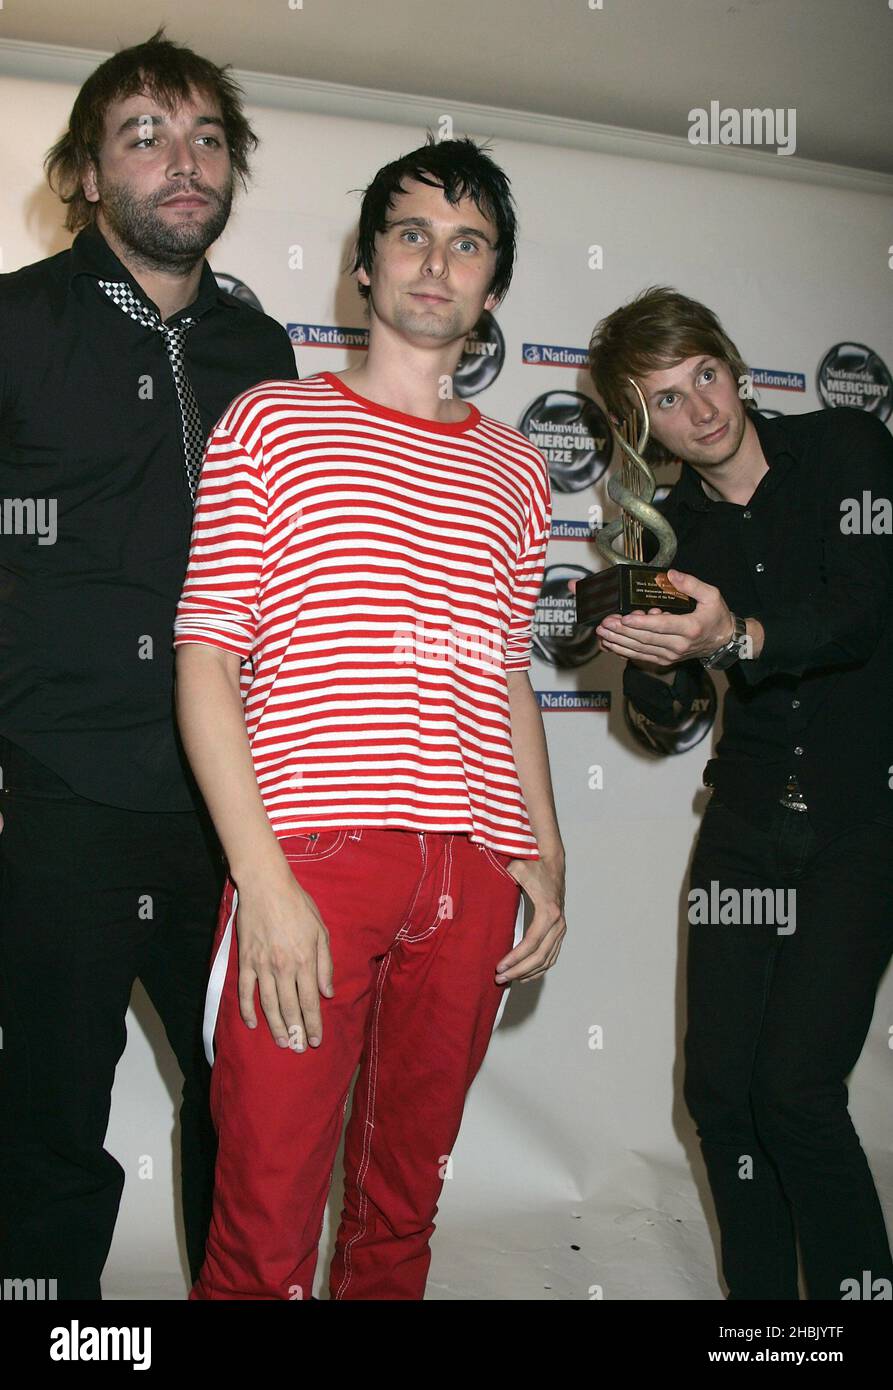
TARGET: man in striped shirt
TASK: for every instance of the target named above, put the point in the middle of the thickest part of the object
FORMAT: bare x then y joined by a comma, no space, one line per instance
353,640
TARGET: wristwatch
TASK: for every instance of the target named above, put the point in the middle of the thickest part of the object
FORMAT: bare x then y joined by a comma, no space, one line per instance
730,652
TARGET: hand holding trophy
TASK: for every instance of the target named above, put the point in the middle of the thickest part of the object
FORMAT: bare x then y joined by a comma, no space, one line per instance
629,584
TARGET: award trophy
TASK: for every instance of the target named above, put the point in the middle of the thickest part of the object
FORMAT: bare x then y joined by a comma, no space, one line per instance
629,585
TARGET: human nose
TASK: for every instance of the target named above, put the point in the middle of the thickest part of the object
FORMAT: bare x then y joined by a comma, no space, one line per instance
702,409
183,162
435,262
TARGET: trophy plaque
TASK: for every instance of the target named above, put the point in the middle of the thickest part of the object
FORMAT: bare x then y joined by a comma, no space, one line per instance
628,584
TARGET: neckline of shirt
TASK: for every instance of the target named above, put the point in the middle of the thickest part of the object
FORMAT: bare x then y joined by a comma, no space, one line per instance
417,421
778,453
91,255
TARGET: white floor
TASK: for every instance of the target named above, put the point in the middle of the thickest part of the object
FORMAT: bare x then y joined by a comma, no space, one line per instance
512,1224
582,1252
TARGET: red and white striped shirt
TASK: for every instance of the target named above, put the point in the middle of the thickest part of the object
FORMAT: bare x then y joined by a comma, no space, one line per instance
377,573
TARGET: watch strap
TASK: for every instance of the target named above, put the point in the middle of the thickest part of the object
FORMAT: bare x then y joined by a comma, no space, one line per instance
730,651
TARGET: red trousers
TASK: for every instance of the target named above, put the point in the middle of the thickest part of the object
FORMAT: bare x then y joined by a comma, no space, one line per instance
417,923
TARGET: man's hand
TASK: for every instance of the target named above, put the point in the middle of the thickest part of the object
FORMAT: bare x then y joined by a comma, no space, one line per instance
667,638
284,950
543,882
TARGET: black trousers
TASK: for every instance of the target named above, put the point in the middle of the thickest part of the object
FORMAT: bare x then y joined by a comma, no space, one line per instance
776,1022
91,898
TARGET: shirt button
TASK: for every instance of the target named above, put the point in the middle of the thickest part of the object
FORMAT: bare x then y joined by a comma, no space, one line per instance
760,567
798,750
746,515
795,704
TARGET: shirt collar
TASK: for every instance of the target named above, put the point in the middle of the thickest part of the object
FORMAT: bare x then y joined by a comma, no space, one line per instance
779,451
91,255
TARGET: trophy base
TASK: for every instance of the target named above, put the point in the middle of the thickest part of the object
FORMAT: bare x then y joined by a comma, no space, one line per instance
627,588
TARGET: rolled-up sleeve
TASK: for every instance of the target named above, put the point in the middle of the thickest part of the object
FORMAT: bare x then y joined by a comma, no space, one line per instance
529,573
218,605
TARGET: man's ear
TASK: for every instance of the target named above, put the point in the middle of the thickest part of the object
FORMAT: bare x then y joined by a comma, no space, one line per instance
89,184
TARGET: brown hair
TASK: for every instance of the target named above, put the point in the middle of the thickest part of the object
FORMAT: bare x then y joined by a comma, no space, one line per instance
163,70
657,329
462,169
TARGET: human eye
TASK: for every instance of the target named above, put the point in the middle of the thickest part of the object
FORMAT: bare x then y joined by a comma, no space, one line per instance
466,241
212,138
410,231
662,403
708,374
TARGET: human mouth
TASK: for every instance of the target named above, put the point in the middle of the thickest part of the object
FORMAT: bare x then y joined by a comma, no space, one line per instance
431,298
191,200
712,438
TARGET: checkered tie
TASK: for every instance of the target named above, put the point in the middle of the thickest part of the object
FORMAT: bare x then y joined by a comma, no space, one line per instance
175,342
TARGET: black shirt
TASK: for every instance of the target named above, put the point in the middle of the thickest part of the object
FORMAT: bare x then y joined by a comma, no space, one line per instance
90,425
819,700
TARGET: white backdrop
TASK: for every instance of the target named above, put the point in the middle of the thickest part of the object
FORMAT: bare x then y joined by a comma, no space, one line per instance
577,1171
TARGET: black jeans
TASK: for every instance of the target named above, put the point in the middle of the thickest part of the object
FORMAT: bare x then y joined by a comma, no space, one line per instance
92,898
776,1021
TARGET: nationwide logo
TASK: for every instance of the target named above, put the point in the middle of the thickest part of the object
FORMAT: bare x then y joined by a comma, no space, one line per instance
549,355
574,700
574,436
777,381
328,336
557,638
572,530
851,374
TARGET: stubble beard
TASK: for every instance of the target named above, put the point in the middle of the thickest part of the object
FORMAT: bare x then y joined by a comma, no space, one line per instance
446,326
160,245
736,428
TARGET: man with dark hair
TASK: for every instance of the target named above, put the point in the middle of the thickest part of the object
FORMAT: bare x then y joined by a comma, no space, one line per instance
381,788
461,169
116,358
791,901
